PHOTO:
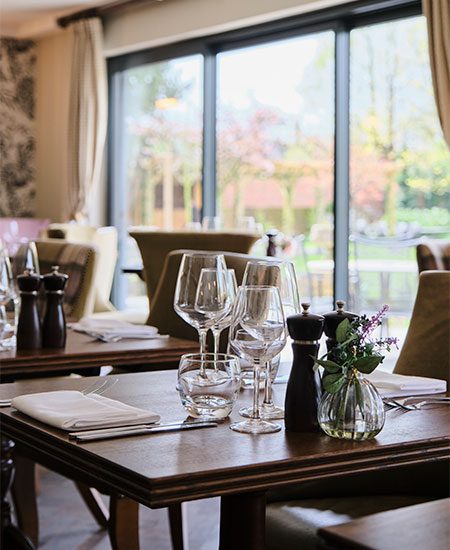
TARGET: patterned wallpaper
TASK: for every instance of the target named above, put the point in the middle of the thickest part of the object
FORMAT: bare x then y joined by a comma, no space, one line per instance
17,138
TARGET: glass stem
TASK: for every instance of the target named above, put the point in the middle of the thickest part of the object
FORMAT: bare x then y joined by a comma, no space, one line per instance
256,380
268,386
202,339
216,335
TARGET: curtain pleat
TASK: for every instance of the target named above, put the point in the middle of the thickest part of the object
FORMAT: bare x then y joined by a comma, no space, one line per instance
87,114
437,13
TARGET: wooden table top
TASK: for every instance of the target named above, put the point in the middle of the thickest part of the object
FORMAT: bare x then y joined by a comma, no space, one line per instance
82,351
415,527
161,469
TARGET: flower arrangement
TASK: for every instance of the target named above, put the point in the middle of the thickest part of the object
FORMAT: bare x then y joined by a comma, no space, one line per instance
356,352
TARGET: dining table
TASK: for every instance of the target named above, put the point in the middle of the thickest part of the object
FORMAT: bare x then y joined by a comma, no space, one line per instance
162,469
84,353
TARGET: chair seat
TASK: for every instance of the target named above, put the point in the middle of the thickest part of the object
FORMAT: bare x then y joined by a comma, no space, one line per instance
294,524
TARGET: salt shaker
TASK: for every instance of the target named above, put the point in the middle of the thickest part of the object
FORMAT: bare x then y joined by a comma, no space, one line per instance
333,320
303,390
54,325
29,333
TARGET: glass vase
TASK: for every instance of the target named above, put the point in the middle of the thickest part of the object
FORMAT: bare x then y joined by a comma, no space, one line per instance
355,412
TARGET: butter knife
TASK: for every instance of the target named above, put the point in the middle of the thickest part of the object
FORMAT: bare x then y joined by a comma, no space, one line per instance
141,431
129,427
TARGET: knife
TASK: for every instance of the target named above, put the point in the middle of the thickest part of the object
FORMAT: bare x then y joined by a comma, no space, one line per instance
143,430
129,427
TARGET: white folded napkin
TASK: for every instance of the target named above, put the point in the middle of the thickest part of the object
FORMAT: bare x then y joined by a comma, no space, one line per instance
72,410
397,385
111,328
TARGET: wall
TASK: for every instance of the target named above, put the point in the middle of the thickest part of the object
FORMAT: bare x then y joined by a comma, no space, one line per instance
52,104
17,130
169,21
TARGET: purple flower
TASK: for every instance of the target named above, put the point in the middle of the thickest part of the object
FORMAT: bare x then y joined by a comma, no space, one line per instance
373,323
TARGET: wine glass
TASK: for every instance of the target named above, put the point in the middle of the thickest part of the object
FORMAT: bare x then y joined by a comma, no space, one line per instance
280,274
225,321
7,294
259,332
200,305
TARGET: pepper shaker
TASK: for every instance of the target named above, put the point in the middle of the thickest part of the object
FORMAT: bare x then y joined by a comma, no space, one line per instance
29,333
303,390
54,325
333,319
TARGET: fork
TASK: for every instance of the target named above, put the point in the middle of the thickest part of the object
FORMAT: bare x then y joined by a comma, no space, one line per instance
393,404
94,388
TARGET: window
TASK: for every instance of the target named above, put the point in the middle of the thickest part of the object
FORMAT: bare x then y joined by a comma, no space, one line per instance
322,126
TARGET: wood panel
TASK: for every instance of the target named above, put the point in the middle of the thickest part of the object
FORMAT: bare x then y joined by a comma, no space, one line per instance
84,352
161,469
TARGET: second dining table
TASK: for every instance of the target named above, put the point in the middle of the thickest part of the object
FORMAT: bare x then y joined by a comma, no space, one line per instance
162,469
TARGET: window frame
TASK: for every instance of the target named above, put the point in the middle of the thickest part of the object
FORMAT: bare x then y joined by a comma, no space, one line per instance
341,19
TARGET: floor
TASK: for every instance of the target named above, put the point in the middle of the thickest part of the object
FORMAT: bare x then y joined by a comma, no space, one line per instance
66,524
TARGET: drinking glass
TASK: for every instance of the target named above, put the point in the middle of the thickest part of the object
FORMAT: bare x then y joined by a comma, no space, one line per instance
7,295
208,384
259,313
280,274
201,305
225,321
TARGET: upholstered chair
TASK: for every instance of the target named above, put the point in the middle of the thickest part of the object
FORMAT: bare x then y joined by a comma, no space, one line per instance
155,245
105,240
295,514
433,254
79,261
162,313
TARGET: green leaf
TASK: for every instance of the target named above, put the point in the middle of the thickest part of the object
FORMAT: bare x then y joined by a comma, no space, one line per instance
332,383
342,329
359,396
328,365
367,364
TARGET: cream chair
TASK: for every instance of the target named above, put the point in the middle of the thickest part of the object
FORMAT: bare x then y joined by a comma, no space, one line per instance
295,514
105,239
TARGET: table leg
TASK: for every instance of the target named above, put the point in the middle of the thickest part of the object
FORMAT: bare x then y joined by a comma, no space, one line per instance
23,491
178,526
11,537
123,523
242,522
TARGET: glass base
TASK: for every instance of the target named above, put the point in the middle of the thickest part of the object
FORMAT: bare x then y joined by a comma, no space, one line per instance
269,411
255,426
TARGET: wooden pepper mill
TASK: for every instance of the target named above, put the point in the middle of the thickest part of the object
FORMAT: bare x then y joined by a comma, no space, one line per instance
333,320
303,390
29,333
54,325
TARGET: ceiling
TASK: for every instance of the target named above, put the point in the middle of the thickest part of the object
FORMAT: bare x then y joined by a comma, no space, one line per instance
31,18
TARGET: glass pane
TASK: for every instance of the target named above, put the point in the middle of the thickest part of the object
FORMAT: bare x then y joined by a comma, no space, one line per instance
275,149
162,109
400,166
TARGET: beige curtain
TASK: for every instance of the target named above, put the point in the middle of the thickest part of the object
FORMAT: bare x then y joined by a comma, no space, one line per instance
87,114
437,13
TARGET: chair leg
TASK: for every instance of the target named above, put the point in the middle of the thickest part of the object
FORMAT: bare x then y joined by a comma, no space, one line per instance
95,504
123,523
23,492
178,526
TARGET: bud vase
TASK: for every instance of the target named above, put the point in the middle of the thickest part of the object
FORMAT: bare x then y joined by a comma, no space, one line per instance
355,411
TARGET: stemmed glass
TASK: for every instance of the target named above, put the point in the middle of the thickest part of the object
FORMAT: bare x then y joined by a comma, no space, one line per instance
201,296
225,321
259,332
7,294
280,274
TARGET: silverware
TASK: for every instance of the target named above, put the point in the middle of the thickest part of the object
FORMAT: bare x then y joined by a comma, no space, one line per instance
95,388
393,404
141,431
